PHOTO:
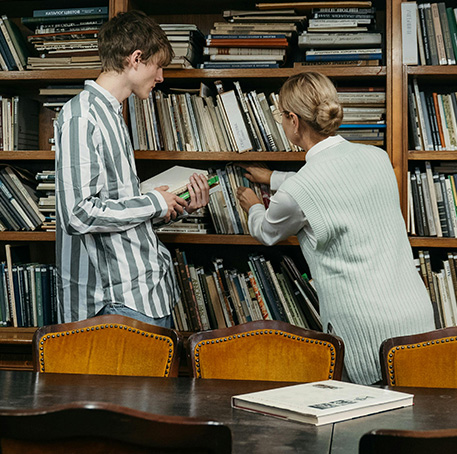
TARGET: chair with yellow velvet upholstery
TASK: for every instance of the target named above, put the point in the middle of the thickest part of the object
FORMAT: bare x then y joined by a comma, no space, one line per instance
392,441
423,360
107,345
266,350
101,427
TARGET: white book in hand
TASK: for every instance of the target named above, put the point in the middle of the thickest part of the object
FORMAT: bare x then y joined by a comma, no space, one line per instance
176,178
322,402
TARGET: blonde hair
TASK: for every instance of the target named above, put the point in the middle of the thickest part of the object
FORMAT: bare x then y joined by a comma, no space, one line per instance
130,31
313,97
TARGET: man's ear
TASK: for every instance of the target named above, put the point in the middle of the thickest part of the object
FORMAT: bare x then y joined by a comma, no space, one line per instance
134,59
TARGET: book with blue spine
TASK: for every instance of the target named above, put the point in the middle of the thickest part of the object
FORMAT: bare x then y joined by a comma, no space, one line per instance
82,11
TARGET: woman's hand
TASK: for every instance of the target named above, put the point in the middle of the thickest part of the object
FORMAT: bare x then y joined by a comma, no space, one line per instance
199,192
247,198
256,172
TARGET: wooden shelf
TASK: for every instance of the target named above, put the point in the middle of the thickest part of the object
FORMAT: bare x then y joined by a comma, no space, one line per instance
429,242
414,155
29,155
280,73
220,156
48,75
428,70
171,238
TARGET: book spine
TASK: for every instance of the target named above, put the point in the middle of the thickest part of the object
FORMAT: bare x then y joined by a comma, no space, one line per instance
409,33
446,33
425,36
431,34
440,47
452,29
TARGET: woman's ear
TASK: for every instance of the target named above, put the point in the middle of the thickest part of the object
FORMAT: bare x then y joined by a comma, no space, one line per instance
295,121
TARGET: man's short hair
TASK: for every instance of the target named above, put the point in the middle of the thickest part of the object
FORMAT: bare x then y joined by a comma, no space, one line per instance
127,32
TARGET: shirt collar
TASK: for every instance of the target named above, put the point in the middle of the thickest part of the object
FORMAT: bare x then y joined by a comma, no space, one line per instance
330,141
97,89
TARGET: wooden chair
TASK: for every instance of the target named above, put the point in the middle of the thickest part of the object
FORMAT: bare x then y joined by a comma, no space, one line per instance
423,360
107,345
266,350
406,441
99,428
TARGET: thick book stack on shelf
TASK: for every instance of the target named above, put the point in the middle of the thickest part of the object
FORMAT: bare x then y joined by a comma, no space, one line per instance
226,213
187,43
19,123
47,198
429,32
432,199
432,117
14,50
18,201
364,111
27,290
252,39
230,120
65,38
221,297
441,285
55,96
342,36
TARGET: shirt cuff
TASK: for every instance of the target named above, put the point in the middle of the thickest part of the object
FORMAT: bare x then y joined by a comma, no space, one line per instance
159,203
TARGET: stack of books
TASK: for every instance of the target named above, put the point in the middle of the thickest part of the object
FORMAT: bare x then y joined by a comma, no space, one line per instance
14,50
230,120
342,36
187,43
222,297
19,123
364,111
432,200
55,96
27,290
441,286
65,38
432,118
252,39
429,33
18,201
47,199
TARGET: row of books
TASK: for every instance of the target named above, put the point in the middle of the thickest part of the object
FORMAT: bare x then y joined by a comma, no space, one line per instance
18,200
221,297
19,123
252,39
432,200
432,118
429,33
13,48
65,38
232,120
441,285
337,35
27,290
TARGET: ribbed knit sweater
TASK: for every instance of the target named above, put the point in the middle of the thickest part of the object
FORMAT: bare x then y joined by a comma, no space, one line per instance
362,265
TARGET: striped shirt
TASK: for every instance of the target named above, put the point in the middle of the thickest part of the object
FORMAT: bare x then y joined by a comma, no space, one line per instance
106,249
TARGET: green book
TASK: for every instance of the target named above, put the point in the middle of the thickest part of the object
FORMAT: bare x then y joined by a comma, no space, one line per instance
452,28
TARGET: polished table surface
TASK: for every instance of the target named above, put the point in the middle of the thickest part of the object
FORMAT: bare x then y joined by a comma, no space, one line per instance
210,400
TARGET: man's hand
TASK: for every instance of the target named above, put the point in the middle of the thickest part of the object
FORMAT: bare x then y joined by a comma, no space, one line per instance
256,172
199,192
175,204
247,198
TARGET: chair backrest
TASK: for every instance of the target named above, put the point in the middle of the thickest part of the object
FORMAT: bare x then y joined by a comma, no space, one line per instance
266,350
107,345
98,427
408,441
423,360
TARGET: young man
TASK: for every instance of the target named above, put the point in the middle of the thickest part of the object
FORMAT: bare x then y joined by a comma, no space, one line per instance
109,259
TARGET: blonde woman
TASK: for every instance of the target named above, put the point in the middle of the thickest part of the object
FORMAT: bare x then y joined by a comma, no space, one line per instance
343,205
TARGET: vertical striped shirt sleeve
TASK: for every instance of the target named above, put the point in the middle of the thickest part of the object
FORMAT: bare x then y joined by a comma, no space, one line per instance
88,202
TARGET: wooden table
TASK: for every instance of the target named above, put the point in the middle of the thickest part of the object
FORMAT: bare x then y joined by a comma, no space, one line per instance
210,400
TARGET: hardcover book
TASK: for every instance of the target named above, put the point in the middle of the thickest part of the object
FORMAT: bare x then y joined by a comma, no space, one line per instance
322,402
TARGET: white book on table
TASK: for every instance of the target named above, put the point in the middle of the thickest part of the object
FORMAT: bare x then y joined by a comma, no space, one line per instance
322,402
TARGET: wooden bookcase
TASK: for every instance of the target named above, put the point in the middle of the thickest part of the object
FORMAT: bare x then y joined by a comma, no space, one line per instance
438,76
203,13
